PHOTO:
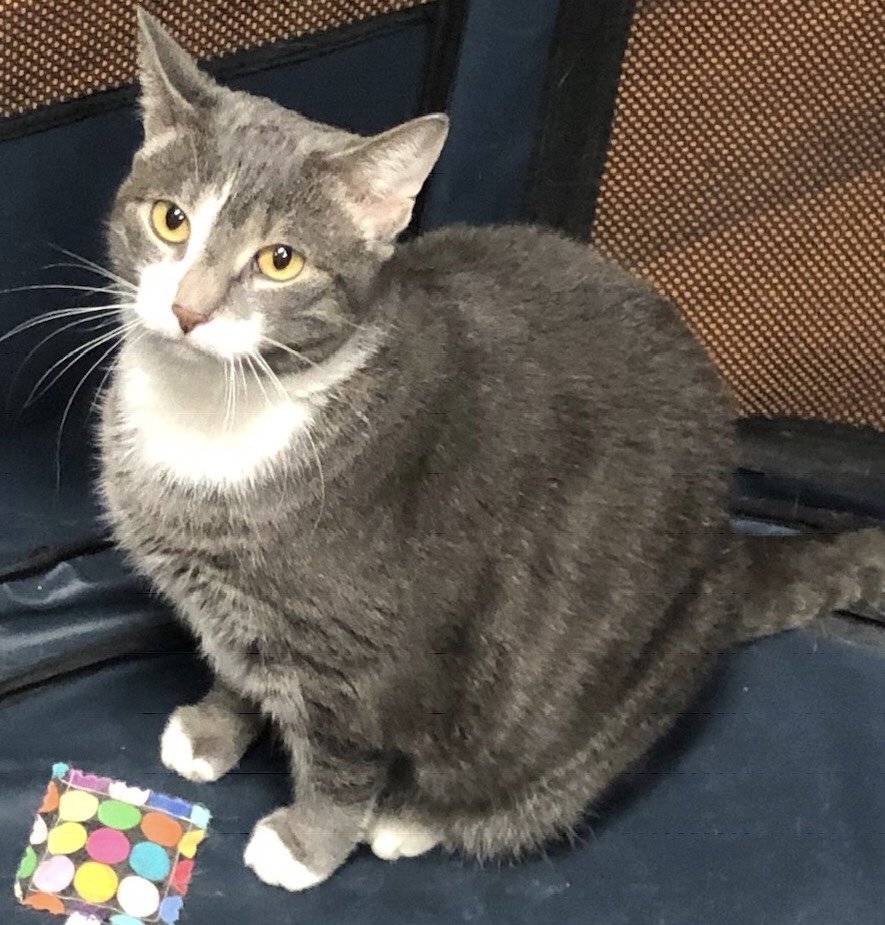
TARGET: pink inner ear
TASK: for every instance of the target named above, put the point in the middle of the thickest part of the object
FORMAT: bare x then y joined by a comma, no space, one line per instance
383,217
383,175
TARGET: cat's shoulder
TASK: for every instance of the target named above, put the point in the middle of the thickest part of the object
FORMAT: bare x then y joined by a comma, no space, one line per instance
523,272
476,244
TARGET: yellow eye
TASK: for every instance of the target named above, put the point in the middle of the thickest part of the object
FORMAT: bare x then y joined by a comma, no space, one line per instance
279,262
169,222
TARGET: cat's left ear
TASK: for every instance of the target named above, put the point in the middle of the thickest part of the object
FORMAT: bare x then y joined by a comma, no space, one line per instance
382,176
173,88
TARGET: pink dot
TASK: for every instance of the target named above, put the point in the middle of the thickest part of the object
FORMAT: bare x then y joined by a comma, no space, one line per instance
54,874
108,846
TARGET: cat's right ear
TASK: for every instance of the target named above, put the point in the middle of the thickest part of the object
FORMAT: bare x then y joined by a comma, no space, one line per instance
381,176
173,88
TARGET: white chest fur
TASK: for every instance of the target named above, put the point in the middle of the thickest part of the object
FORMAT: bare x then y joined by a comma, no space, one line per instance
202,428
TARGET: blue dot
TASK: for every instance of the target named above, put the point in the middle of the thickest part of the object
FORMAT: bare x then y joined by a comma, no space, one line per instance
170,909
200,816
149,861
125,920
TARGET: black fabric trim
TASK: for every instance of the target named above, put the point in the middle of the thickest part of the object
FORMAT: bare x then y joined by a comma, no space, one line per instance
579,103
448,32
442,68
810,473
285,52
43,559
166,637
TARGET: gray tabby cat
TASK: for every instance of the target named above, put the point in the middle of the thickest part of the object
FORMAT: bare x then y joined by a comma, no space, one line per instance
451,515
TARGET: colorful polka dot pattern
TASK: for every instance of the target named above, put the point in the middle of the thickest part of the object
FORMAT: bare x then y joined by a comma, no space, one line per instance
121,854
745,179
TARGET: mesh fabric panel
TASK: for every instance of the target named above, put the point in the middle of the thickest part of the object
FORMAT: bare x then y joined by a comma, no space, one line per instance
56,50
746,180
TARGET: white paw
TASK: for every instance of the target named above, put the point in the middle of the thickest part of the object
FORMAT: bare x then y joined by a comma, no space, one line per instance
273,862
177,753
392,838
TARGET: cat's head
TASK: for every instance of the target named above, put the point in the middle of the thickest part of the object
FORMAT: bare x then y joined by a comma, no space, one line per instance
245,226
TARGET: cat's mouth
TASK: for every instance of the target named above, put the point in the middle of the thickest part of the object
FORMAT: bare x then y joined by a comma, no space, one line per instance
181,347
221,336
276,357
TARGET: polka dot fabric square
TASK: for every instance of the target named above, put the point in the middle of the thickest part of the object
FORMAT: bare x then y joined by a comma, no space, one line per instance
102,851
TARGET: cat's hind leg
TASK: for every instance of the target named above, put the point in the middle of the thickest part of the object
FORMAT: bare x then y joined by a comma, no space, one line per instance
205,740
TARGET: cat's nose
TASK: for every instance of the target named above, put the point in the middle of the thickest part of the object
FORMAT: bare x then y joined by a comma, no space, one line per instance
187,319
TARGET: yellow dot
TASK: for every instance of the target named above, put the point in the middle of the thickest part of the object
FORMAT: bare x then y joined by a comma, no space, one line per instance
188,844
77,806
96,883
66,838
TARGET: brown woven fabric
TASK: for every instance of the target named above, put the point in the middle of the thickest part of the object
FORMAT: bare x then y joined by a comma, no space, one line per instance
54,50
746,179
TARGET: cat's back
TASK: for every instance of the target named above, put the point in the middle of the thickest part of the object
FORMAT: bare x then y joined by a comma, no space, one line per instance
544,313
514,269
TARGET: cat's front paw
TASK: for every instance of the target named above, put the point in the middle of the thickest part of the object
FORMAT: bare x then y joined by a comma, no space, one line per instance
177,753
275,864
203,743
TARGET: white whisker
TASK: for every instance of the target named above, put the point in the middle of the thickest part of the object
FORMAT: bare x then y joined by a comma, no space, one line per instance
265,366
97,267
98,392
70,403
316,453
287,349
55,333
43,286
255,373
115,365
94,310
69,359
91,316
230,387
334,319
233,394
226,399
112,286
239,362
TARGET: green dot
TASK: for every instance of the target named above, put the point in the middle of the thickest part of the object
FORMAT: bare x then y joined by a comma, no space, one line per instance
28,863
117,815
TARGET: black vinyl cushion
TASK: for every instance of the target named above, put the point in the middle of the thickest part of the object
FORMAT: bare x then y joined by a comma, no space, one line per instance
765,806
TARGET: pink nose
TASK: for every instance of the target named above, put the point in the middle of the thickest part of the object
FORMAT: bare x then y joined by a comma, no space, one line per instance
187,319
